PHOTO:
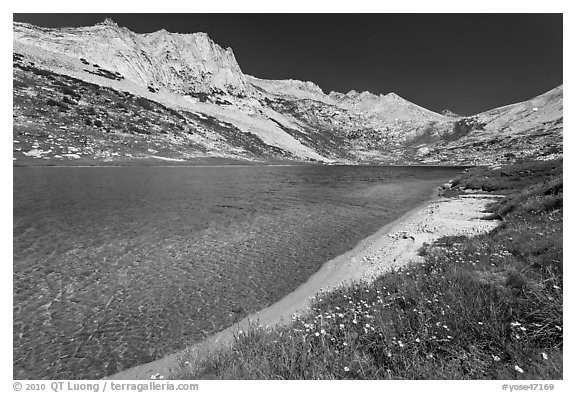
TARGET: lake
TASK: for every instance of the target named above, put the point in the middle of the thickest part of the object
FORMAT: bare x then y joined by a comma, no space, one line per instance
118,266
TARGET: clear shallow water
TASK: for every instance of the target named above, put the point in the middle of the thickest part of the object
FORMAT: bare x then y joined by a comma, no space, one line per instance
115,267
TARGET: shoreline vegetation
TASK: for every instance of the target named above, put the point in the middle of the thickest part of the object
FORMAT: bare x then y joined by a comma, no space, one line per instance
485,307
484,300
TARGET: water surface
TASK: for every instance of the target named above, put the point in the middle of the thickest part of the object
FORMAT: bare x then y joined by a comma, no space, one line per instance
115,267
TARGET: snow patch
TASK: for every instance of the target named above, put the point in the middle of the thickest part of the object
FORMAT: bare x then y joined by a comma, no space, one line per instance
168,158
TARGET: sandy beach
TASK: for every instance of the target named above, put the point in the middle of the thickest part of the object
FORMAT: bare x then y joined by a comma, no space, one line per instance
392,247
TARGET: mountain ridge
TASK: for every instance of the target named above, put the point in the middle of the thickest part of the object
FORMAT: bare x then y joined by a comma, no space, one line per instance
148,58
196,79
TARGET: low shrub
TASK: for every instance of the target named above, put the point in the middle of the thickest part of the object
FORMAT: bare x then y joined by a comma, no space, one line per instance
509,178
69,101
20,84
138,130
69,91
59,104
121,105
144,103
543,197
41,72
91,110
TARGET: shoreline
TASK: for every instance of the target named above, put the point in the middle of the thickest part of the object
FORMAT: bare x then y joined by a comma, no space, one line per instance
392,246
189,164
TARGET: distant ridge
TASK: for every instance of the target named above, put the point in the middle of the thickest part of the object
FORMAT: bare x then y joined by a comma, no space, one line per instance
449,113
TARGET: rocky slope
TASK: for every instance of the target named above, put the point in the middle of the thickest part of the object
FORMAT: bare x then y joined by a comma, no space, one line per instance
183,63
105,94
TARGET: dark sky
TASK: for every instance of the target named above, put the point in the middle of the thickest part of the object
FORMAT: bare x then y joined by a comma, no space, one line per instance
464,62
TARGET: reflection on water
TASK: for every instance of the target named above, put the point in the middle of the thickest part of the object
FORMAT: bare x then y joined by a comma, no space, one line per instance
114,267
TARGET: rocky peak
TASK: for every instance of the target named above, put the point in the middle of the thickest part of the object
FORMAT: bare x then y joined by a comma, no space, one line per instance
307,86
182,63
449,113
352,94
289,87
393,96
109,22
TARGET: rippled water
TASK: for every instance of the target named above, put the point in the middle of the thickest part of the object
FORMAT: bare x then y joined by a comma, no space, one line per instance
114,267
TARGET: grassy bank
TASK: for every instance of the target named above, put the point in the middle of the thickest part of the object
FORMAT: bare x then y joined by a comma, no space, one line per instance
487,307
